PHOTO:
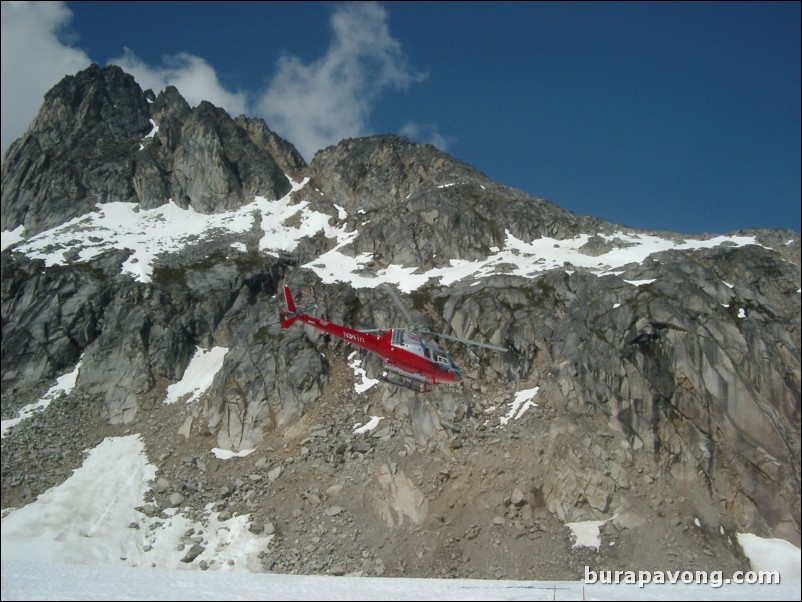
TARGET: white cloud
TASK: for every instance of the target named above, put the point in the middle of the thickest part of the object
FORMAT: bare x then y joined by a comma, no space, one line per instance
34,59
194,78
312,105
427,133
320,104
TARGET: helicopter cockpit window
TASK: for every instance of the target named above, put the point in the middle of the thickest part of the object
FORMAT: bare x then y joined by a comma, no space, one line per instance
442,359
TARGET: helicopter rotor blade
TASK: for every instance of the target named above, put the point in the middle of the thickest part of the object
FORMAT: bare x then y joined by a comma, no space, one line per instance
468,342
413,325
400,304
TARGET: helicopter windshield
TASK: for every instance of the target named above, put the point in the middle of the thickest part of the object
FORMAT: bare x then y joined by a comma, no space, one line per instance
444,360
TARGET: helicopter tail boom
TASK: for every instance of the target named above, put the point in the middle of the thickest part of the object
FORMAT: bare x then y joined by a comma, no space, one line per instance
289,317
289,300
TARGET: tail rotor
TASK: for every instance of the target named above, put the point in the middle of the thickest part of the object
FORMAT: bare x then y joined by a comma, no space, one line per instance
289,316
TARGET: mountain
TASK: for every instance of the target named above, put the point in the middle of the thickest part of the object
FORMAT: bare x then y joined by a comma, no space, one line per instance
651,382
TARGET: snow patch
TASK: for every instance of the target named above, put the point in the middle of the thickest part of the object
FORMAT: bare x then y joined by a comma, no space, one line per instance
586,533
198,376
365,382
227,454
368,426
64,384
521,403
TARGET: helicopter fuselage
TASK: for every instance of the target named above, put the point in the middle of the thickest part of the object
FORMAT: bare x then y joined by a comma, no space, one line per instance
407,355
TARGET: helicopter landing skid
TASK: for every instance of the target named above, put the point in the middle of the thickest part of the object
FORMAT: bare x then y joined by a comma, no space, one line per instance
394,377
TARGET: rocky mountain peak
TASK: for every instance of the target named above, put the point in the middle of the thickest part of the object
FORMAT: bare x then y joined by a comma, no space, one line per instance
452,210
98,138
85,109
377,172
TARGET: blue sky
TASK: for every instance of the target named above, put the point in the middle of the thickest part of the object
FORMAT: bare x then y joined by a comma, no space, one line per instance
676,116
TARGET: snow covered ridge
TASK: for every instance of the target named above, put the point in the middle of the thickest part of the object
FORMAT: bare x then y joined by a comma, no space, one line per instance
167,229
151,233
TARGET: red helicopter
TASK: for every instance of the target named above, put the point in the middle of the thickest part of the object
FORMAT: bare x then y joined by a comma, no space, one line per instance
412,362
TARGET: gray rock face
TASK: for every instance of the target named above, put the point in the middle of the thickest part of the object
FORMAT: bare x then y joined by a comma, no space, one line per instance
452,210
78,152
678,374
217,165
